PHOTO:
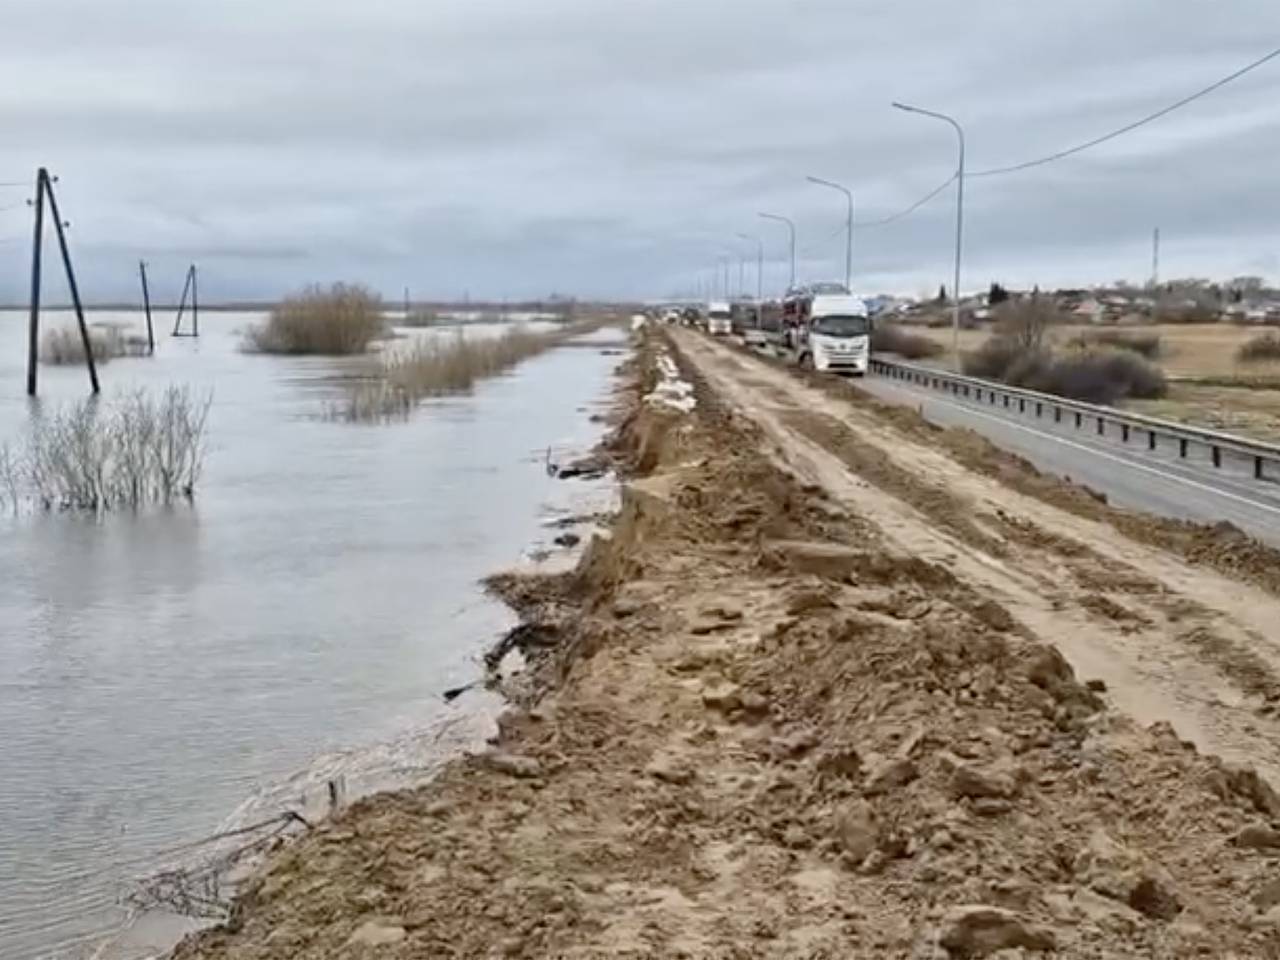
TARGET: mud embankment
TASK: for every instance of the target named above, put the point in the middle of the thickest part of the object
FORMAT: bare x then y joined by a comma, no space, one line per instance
758,730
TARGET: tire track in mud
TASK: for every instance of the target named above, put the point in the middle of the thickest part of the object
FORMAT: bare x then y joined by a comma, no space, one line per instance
1172,642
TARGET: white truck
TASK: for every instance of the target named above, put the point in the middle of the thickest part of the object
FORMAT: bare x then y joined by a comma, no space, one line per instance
835,335
719,319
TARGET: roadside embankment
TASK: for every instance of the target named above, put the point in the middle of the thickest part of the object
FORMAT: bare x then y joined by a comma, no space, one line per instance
759,727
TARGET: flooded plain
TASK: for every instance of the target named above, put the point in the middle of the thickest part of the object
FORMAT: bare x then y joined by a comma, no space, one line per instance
166,672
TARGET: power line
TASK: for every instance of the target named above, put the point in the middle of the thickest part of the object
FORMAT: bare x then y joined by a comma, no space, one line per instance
909,210
1132,126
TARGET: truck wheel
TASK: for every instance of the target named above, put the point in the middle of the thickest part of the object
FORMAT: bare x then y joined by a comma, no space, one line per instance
806,361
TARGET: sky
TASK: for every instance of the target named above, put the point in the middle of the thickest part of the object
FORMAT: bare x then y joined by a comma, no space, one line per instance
618,148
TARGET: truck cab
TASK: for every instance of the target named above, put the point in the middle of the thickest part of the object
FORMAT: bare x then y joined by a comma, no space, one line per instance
836,335
719,319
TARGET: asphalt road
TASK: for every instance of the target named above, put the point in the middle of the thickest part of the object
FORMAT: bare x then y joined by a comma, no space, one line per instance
1130,475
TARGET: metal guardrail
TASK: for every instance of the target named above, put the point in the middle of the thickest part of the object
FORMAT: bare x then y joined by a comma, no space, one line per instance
1254,451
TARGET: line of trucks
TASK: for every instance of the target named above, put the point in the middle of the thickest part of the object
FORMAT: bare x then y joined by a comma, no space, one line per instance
821,327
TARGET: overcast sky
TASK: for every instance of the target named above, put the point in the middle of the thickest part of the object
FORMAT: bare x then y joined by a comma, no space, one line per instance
512,148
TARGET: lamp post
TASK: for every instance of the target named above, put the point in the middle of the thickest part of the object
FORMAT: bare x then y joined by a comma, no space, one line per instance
955,291
848,245
759,264
792,228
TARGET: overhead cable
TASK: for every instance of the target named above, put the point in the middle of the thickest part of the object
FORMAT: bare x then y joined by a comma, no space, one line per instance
1130,126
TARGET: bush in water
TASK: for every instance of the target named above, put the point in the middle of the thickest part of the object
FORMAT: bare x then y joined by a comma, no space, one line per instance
437,365
65,346
133,450
342,319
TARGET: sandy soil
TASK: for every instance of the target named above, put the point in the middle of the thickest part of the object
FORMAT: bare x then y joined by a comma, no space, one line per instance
809,699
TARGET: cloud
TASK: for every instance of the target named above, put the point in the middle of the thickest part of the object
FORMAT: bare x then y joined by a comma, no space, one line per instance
513,147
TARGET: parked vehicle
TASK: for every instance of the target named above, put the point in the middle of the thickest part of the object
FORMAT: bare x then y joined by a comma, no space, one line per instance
719,318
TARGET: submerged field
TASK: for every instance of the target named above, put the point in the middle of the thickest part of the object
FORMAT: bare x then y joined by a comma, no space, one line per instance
168,669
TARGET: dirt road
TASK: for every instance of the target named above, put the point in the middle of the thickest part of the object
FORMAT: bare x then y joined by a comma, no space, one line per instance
806,700
1172,642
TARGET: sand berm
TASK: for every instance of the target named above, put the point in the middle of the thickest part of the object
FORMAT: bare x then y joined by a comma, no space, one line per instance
758,728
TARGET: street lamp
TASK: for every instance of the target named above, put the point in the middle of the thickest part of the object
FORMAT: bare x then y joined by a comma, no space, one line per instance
792,228
848,246
759,264
955,292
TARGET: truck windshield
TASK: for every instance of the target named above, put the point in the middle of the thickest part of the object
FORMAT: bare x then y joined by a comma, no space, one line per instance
837,326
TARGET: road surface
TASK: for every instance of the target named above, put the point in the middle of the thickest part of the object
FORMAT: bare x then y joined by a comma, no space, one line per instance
1129,474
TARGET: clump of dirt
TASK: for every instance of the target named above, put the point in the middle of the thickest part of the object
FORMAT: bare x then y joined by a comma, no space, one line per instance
768,736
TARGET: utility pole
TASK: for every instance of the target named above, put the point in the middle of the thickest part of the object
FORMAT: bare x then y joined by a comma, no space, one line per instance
33,329
60,225
146,305
406,304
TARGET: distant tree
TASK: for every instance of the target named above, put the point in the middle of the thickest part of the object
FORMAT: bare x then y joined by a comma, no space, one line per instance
997,294
942,293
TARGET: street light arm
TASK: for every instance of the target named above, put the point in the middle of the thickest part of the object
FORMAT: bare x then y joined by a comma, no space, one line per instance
834,186
937,116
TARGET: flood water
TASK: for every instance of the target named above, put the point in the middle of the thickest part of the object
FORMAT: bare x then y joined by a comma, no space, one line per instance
164,671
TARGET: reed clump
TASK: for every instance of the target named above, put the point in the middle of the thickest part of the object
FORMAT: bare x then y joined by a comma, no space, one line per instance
440,365
338,320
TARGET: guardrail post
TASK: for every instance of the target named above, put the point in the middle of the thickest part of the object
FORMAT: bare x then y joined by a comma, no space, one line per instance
1102,427
1182,446
1022,405
1151,439
1217,456
1124,432
1057,414
1079,420
1257,468
1006,400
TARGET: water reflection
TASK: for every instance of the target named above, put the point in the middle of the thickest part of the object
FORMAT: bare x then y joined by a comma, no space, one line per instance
158,669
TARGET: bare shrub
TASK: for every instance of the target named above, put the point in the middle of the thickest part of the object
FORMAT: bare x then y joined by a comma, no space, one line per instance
338,320
1147,345
911,346
64,345
1100,375
1026,321
1259,349
134,450
992,359
434,366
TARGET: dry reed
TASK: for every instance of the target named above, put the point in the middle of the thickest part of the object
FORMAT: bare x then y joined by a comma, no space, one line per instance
435,366
64,346
338,320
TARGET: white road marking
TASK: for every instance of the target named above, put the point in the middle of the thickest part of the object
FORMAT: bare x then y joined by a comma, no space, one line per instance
1098,453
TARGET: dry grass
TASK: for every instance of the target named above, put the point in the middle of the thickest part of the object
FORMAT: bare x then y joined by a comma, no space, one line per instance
436,366
335,321
127,452
64,346
1144,344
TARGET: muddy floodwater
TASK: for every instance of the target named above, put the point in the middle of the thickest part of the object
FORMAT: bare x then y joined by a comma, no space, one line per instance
165,673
